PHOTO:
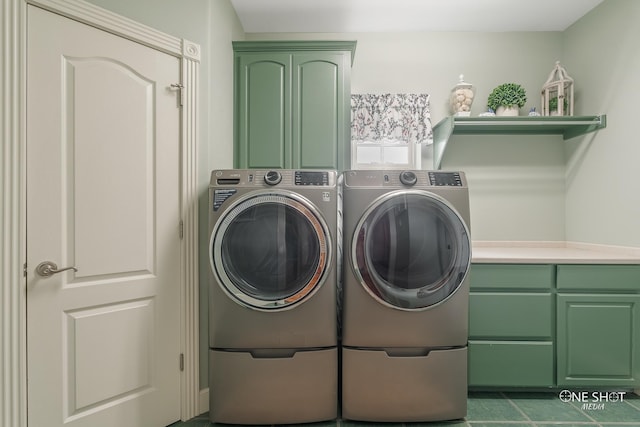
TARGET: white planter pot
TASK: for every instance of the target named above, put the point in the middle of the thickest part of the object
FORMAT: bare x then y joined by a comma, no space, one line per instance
508,111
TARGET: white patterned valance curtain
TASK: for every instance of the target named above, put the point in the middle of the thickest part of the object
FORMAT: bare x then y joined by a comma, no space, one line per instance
391,118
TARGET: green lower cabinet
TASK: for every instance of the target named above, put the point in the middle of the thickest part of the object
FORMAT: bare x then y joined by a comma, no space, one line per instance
497,315
511,364
511,340
598,340
599,278
514,277
554,326
511,326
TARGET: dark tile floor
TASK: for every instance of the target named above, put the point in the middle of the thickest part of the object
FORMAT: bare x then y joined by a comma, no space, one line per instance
517,409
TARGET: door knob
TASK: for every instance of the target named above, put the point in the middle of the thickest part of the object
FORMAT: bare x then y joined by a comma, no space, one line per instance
48,269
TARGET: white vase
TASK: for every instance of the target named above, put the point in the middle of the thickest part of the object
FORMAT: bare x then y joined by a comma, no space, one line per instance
508,111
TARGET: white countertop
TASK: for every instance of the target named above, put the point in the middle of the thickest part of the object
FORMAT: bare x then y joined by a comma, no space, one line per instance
552,253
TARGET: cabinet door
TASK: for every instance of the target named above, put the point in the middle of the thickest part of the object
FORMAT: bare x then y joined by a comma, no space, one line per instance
263,116
510,363
598,340
320,110
514,316
587,278
512,277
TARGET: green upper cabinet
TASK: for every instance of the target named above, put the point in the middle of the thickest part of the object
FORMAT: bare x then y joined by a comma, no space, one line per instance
263,138
292,104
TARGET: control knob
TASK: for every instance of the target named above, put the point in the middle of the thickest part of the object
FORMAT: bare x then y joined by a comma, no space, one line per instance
272,177
408,178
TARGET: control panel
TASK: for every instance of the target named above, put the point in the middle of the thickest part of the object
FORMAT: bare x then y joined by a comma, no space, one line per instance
311,178
270,178
404,178
226,183
449,179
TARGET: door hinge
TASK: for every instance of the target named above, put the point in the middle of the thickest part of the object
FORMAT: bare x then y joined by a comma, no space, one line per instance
24,269
181,362
181,230
180,88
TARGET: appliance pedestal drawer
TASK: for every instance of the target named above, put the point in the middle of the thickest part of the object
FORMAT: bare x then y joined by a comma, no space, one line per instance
256,388
380,387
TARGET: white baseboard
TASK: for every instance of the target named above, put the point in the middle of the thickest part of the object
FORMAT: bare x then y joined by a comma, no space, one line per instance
203,401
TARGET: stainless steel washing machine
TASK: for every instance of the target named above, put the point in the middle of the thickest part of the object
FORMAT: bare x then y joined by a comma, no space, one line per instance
407,253
273,309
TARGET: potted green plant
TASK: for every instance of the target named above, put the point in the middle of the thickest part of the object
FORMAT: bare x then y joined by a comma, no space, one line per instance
553,106
507,99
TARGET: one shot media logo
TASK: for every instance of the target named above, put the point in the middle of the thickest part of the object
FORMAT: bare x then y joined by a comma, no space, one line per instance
592,400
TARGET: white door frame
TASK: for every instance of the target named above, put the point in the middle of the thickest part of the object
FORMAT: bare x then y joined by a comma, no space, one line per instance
13,300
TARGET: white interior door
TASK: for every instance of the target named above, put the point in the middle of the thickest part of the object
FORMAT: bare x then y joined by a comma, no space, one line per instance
103,136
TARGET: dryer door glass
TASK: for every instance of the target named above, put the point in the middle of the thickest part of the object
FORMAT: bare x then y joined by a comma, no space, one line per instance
270,251
411,250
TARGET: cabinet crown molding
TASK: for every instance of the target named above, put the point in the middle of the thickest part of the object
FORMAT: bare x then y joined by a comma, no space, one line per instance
296,45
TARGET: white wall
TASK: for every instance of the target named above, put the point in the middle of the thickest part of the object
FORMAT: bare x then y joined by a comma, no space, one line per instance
603,187
216,144
431,62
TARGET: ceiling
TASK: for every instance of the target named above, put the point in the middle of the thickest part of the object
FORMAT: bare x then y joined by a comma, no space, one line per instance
352,16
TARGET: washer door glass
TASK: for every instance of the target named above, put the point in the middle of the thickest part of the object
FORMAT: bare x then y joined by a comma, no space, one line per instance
270,251
411,250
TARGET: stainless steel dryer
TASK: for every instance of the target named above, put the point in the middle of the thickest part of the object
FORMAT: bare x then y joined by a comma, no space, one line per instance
273,310
407,253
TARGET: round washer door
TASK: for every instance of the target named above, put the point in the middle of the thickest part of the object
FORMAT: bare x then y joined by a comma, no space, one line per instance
270,250
411,250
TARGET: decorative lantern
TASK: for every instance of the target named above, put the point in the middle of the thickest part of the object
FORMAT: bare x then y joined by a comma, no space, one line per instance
461,98
557,93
